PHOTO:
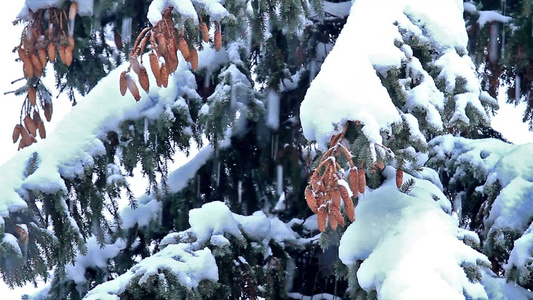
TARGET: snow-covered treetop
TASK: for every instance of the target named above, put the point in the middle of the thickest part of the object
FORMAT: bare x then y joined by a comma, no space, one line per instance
349,81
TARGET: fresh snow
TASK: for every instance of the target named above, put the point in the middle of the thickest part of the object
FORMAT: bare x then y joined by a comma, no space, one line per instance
76,141
341,9
97,256
428,244
491,16
12,241
492,161
186,9
85,7
212,219
359,95
485,16
188,265
321,296
147,210
184,253
428,254
512,207
520,256
425,96
342,96
500,289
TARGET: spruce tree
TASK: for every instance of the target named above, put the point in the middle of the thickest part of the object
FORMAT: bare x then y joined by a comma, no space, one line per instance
322,140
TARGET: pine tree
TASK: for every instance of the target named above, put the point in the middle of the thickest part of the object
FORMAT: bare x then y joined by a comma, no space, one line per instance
300,114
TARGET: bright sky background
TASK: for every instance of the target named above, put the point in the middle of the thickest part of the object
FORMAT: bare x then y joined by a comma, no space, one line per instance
508,120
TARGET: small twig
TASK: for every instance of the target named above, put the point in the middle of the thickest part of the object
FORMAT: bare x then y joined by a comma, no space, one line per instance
17,80
347,154
135,46
385,148
326,155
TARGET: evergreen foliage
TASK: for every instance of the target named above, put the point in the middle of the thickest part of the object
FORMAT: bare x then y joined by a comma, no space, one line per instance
232,222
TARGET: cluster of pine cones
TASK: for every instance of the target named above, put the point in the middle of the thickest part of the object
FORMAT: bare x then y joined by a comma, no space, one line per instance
165,41
48,34
328,185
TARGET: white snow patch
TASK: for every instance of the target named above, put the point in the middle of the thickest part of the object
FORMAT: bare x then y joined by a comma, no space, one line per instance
97,256
189,266
339,98
186,9
211,219
85,7
147,210
427,257
12,241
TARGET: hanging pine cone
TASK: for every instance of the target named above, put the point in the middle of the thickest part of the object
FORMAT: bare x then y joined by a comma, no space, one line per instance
143,79
194,59
161,44
354,181
309,198
164,75
321,219
22,54
205,32
51,52
362,180
73,10
134,90
68,55
122,83
26,138
332,221
42,57
22,235
380,165
335,197
30,125
61,51
118,40
335,214
348,203
17,132
154,65
184,49
48,111
218,40
36,64
36,118
21,144
42,130
32,95
134,64
399,178
71,42
27,68
172,54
